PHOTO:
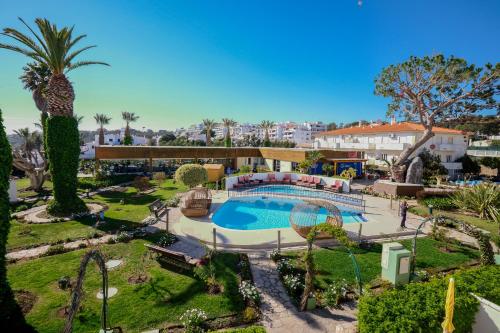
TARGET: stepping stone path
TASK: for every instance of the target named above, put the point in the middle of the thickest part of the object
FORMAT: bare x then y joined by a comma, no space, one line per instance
280,315
112,291
111,264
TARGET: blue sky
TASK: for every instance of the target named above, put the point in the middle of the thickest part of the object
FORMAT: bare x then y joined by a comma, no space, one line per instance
177,62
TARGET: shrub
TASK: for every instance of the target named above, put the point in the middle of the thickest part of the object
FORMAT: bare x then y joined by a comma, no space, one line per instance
166,240
123,237
244,266
191,175
484,199
93,183
284,266
441,203
249,292
141,183
245,169
250,314
193,319
64,282
55,249
293,283
249,329
159,177
275,255
336,292
63,149
173,202
419,307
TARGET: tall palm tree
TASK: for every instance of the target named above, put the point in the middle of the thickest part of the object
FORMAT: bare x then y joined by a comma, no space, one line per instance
266,125
129,117
101,120
55,48
228,124
208,127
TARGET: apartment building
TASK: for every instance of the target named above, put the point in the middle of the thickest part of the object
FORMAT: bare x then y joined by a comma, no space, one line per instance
380,142
87,151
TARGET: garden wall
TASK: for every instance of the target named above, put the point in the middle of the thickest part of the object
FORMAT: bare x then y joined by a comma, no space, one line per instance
396,189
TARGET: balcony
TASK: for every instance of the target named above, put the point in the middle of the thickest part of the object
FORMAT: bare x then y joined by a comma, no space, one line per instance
446,147
391,146
490,152
452,165
355,145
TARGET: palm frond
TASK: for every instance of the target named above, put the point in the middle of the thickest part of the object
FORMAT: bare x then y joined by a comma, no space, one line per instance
84,63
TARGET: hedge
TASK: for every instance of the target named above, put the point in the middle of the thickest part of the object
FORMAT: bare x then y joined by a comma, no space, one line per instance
93,184
191,175
419,307
441,203
63,144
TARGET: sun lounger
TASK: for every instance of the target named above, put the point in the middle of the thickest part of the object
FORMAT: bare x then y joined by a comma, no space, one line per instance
302,180
335,187
286,179
271,178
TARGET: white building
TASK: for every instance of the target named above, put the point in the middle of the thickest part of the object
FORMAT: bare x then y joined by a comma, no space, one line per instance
386,142
87,151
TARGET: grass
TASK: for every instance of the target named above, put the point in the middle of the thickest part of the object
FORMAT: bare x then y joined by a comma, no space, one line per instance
24,235
22,185
130,214
487,225
335,263
136,307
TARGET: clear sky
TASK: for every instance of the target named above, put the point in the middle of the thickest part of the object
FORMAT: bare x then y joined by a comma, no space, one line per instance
177,62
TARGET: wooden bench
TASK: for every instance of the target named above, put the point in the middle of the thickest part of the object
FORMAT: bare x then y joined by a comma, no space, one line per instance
158,208
174,258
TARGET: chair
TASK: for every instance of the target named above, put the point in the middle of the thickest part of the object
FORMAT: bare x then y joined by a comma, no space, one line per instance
335,187
196,202
286,179
302,180
271,178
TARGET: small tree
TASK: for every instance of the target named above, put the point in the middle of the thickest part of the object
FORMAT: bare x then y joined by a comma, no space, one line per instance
431,89
469,165
432,165
328,169
208,127
266,125
191,175
159,177
141,183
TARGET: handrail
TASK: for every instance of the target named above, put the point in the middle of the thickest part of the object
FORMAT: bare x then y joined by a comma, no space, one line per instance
298,192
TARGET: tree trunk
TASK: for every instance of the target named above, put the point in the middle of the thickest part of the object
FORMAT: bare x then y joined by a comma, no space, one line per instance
36,173
398,169
101,136
60,96
308,283
127,131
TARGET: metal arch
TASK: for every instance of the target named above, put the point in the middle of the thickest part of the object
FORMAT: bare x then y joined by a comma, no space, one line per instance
357,271
77,292
414,245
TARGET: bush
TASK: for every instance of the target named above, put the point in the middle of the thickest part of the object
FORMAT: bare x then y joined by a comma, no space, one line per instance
284,266
166,240
191,175
441,203
193,319
336,292
159,177
141,183
250,314
275,255
92,183
484,199
55,249
249,292
63,145
249,329
294,284
245,169
419,307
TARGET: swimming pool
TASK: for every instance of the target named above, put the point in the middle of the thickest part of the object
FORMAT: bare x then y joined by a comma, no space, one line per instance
256,213
299,191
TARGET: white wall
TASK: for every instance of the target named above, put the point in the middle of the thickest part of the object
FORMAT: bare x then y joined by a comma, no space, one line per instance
269,163
487,317
285,166
12,191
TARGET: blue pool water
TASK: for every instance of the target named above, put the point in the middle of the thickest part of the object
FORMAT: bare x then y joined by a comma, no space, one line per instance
256,213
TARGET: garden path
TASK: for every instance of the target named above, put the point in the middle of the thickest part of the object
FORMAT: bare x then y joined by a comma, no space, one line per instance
280,315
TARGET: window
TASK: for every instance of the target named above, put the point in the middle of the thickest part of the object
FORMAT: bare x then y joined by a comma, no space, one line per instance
110,140
450,140
448,158
249,161
384,157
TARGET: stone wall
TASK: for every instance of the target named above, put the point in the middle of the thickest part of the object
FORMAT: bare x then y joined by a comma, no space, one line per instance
396,189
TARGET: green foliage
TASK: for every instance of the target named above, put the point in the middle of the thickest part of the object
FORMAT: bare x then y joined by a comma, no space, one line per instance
469,165
484,199
191,175
336,292
348,173
93,183
442,203
314,156
304,166
64,152
432,166
128,141
490,162
327,169
419,307
141,183
245,169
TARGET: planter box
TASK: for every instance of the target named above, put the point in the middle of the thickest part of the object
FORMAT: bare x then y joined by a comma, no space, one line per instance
397,189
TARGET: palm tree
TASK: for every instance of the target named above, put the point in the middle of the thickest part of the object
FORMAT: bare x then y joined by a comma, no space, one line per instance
266,125
228,124
208,128
55,48
129,117
101,120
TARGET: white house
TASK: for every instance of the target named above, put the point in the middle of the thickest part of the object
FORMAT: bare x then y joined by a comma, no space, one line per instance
385,142
87,151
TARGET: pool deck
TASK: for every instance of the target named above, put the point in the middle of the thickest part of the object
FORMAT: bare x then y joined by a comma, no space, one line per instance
383,222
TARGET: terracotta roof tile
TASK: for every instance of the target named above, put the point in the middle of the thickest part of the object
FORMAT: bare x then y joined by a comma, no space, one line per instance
388,128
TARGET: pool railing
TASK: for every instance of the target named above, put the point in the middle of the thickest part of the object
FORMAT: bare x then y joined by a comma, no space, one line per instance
351,200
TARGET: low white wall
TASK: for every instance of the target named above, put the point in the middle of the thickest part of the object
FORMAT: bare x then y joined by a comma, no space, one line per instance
230,181
12,191
487,317
285,166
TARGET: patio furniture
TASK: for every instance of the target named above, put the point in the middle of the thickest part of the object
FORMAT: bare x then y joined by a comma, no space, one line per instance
302,180
158,208
174,258
271,178
286,179
196,202
335,187
252,181
311,182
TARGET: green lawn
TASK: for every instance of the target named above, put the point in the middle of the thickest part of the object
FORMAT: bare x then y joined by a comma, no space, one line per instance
23,183
332,264
480,223
132,212
24,235
136,307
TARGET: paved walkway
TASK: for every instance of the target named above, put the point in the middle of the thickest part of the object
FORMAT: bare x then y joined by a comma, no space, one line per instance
280,315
